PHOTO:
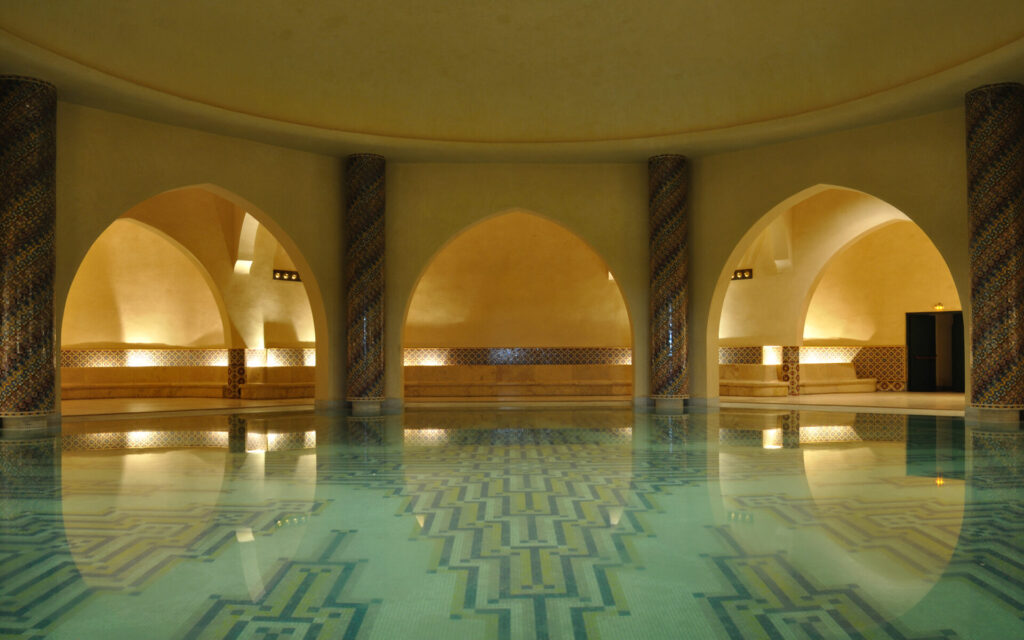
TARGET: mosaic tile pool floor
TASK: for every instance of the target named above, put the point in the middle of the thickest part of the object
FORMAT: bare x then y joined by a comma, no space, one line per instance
515,524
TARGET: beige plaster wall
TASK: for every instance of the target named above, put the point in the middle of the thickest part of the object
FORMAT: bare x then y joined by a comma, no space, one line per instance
788,258
131,280
517,280
108,163
916,165
429,204
262,312
866,291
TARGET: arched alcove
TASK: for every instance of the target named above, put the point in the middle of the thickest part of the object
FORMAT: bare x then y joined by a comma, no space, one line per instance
260,287
517,306
134,276
833,270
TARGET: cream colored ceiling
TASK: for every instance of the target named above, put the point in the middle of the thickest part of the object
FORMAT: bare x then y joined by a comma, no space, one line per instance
607,76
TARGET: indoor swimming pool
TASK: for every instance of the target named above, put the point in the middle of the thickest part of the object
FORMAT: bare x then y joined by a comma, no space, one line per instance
479,524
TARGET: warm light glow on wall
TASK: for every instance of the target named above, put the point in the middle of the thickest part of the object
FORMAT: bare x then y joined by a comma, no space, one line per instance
771,354
309,357
771,438
273,360
140,358
255,357
820,355
243,266
139,439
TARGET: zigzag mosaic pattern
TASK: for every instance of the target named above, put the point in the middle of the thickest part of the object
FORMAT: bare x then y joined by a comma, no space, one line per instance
364,276
435,356
669,183
28,209
302,599
772,598
536,533
995,217
128,549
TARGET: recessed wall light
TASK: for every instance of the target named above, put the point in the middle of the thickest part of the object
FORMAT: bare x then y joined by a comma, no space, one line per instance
742,274
291,276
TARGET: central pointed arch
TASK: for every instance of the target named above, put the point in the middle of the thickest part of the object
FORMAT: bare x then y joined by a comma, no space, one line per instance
517,306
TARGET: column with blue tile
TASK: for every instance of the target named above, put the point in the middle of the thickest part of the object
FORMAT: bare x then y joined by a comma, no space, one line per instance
28,207
668,186
995,215
364,281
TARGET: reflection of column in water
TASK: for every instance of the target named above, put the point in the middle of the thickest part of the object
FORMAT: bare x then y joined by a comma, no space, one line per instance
237,427
790,430
669,430
30,500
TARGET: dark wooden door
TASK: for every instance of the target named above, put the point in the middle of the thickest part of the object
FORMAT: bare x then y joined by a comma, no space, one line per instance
920,352
958,352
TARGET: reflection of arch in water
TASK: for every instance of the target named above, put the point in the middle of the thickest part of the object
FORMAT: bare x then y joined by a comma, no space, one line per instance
133,518
837,508
521,282
837,219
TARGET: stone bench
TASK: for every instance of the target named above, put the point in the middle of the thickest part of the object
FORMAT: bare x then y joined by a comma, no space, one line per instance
760,380
79,383
518,381
269,383
833,377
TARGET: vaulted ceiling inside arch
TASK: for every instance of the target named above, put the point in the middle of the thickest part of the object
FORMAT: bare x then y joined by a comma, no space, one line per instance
605,77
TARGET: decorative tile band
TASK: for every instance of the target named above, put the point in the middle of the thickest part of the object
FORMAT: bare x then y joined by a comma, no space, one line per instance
426,357
28,208
669,293
995,219
280,357
144,358
740,355
364,275
887,364
275,357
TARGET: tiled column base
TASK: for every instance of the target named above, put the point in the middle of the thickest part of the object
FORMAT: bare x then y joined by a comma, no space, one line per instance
791,369
236,373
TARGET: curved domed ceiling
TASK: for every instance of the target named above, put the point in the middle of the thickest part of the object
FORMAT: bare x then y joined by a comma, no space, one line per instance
532,71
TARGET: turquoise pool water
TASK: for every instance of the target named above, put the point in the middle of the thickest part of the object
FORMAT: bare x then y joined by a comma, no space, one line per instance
514,524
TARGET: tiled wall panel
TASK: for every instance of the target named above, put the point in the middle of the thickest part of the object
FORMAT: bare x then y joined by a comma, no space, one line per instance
517,356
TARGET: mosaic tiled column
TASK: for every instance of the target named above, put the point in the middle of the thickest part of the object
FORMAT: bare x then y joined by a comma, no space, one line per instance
364,277
791,370
995,213
236,373
28,205
669,291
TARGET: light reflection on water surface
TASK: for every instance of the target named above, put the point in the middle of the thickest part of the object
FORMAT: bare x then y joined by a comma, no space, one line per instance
515,524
